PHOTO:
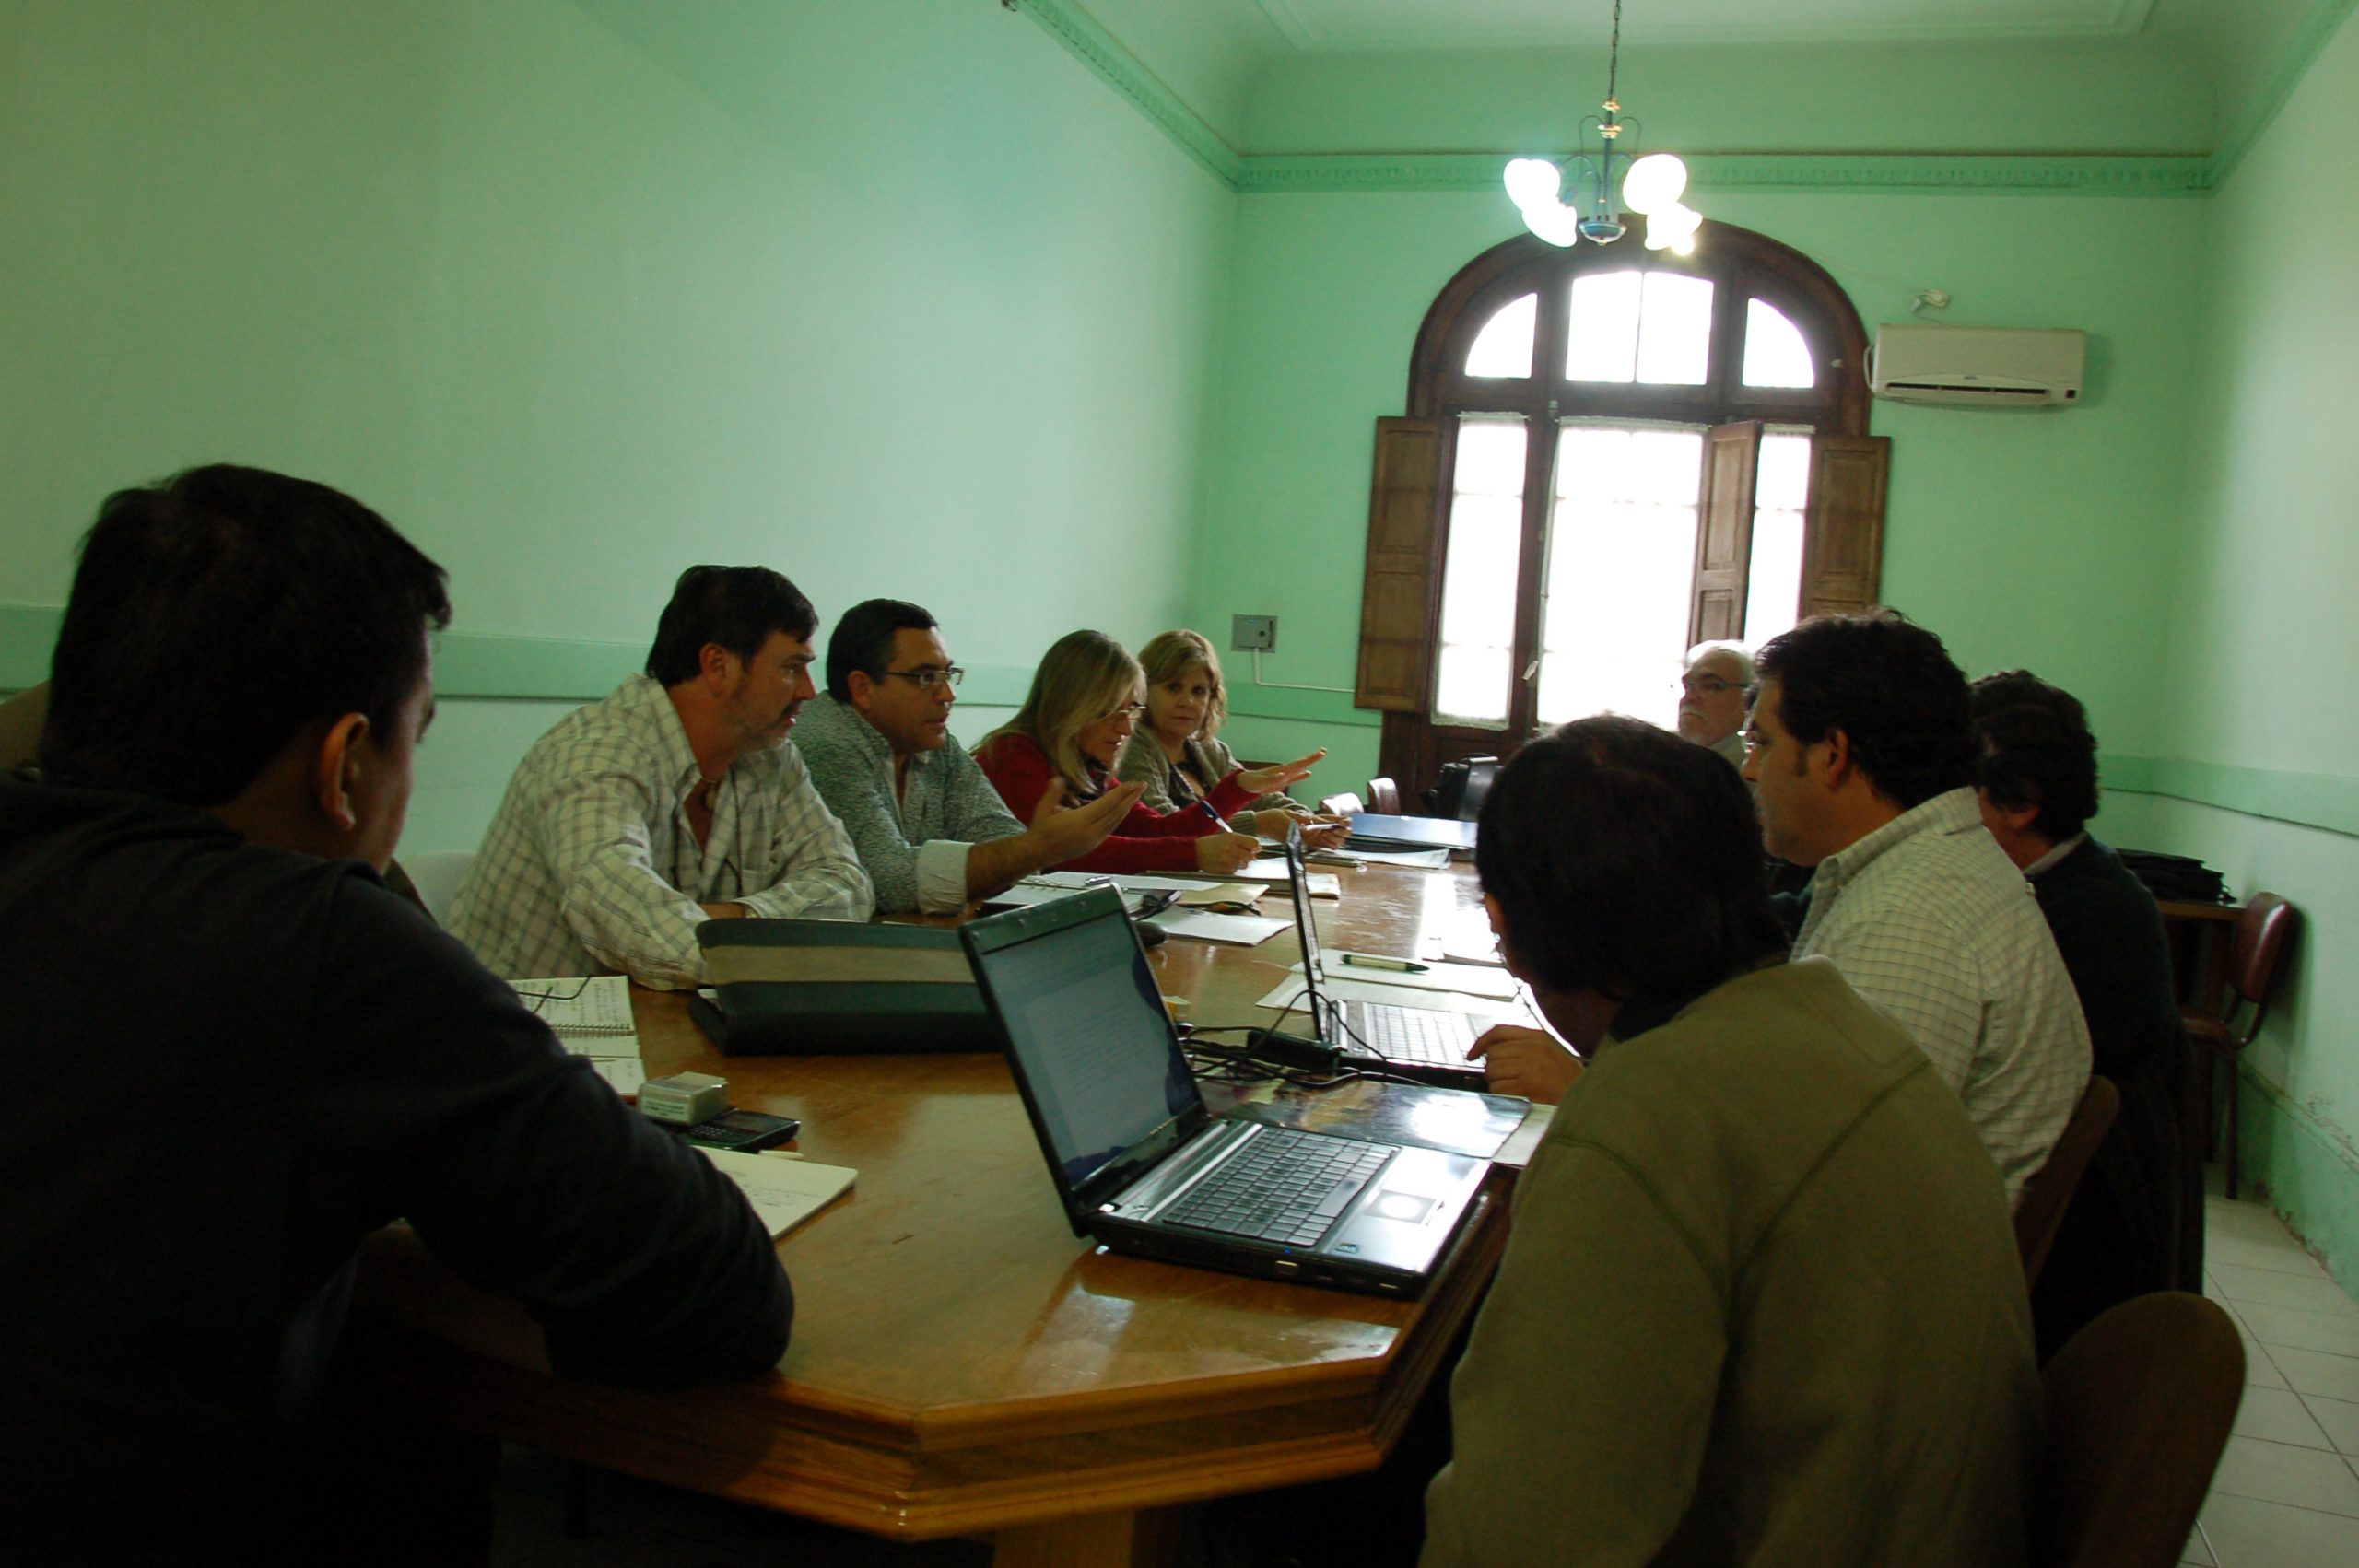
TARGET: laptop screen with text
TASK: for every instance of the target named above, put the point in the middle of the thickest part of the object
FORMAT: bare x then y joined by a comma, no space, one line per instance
1084,1015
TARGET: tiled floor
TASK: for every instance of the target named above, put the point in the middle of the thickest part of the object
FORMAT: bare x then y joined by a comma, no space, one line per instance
2287,1491
2286,1495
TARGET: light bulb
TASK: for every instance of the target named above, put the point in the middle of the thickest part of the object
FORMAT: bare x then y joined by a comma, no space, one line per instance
1533,183
1673,228
1653,182
1554,222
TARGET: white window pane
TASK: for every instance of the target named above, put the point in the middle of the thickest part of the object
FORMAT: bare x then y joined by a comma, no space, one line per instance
1604,327
1773,596
1504,345
1490,458
1675,329
1621,559
1479,571
1478,581
1780,491
1783,480
1774,354
1472,684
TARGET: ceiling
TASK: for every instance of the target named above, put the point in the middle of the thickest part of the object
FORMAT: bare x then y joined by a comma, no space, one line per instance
1318,25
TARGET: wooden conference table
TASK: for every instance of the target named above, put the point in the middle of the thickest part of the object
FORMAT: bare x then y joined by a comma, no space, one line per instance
962,1364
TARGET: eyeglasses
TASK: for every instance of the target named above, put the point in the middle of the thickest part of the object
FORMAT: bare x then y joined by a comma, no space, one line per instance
1705,685
1132,711
948,675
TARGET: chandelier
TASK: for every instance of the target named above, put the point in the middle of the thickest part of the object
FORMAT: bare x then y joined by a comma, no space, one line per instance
1652,184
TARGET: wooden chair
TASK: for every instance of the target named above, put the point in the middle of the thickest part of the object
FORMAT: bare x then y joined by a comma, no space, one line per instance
2253,959
20,722
1384,797
2039,1213
2139,1408
1345,804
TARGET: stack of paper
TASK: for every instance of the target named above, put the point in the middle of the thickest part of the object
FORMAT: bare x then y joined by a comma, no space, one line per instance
1323,884
592,1018
784,1191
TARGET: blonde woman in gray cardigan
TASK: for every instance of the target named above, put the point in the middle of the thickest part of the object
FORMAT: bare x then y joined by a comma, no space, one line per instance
1177,756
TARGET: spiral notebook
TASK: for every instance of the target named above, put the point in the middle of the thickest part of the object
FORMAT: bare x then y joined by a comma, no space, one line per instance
592,1018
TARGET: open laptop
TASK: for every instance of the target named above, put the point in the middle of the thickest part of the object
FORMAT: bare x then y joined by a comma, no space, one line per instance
1146,1169
1424,1045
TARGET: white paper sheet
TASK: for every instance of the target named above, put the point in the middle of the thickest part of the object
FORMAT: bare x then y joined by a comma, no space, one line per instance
1472,979
625,1074
783,1192
1323,884
1230,931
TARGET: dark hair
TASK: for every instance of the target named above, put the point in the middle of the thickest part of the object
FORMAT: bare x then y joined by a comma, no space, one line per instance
217,613
863,639
737,607
2037,751
1890,686
1627,862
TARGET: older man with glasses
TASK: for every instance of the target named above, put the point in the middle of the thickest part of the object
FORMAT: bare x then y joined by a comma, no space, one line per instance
1711,698
929,827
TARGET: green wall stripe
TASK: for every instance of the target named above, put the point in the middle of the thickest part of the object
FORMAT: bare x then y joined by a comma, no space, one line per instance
1126,73
2317,30
1249,701
2026,174
2325,800
479,665
2311,1171
488,665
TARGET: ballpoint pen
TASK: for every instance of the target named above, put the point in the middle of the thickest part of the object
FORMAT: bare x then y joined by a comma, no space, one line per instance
1366,960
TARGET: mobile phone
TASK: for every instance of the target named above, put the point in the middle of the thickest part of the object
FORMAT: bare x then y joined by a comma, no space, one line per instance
745,1132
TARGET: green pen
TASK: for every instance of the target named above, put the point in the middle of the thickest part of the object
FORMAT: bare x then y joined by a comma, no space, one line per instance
1364,961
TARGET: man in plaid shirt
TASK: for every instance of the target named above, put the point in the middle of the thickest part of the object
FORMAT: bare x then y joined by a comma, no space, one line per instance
672,802
1861,752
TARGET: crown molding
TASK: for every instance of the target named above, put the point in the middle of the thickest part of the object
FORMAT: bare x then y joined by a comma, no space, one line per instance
2027,173
2122,174
1124,72
2310,38
2127,18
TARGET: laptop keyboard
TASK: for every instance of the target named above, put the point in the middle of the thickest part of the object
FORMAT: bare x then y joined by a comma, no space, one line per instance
1283,1186
1423,1034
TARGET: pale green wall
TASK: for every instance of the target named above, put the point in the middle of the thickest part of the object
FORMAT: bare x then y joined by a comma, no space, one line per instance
2263,633
2035,538
893,298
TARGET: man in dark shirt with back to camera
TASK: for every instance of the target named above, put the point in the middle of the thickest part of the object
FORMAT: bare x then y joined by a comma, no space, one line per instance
232,1054
2136,1224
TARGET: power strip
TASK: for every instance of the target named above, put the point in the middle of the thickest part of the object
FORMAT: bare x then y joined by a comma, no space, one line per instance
1292,1050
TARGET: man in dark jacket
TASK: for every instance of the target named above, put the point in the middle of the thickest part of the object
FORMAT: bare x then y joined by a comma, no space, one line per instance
233,1053
2134,1224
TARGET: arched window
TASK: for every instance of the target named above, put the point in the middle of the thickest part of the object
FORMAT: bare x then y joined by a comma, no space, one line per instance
1610,454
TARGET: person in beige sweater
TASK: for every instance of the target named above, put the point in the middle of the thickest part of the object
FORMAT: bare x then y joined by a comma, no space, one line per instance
1762,1303
1178,756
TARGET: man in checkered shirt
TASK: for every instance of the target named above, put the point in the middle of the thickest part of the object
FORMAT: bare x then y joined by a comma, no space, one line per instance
672,802
1861,752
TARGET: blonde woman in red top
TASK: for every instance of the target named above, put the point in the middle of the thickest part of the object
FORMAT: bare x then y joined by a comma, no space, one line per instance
1087,699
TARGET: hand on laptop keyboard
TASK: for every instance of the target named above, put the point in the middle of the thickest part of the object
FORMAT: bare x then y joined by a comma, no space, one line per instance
1516,1061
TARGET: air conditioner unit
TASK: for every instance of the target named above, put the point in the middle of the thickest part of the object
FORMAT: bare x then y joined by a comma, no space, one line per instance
1982,367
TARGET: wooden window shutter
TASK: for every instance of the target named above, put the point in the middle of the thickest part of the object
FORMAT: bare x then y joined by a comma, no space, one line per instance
1843,538
1724,532
1403,545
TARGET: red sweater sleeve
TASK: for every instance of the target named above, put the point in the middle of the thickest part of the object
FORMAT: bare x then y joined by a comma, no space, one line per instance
1147,840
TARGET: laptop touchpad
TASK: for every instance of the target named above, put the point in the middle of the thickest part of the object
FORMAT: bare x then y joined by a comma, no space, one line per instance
1407,1207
